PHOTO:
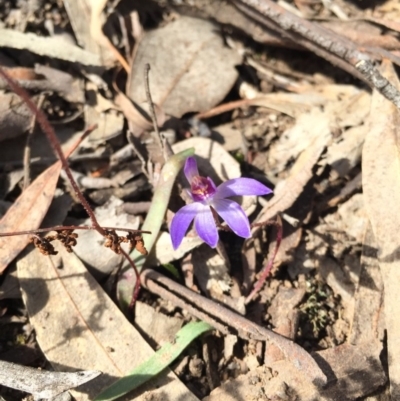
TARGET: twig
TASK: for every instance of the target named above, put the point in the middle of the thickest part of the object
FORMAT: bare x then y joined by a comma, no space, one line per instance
322,41
267,269
379,82
131,139
61,228
272,22
136,289
112,239
27,149
220,317
52,138
152,111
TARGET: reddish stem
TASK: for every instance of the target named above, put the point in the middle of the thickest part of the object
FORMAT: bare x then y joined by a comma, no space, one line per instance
61,228
51,136
267,269
137,283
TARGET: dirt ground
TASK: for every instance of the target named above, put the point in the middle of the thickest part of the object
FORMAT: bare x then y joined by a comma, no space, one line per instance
304,309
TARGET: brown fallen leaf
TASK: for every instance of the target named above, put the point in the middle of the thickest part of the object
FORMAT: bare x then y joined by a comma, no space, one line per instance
27,212
78,325
284,312
355,370
288,191
137,122
368,317
364,33
191,68
344,107
381,188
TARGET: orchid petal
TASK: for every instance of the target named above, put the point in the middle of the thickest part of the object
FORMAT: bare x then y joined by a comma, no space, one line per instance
241,186
190,168
234,216
181,221
205,226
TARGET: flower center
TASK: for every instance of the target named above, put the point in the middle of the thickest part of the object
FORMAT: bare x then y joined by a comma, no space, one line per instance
202,188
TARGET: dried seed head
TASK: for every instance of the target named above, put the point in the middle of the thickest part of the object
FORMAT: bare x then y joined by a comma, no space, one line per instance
43,245
67,238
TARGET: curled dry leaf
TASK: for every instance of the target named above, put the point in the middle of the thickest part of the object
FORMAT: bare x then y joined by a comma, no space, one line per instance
78,325
381,188
191,68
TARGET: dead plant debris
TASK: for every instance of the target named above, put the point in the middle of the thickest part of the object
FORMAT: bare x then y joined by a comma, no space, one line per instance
300,96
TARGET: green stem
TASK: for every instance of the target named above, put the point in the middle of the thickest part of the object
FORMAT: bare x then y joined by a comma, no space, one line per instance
153,221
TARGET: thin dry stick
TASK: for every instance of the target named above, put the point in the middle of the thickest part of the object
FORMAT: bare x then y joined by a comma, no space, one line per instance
27,149
379,82
151,106
163,143
61,228
267,269
299,40
218,315
323,42
131,139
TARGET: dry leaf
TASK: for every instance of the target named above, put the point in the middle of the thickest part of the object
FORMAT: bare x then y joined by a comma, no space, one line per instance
79,327
368,317
43,78
26,213
164,253
80,12
191,68
381,188
41,383
339,113
90,248
288,191
52,47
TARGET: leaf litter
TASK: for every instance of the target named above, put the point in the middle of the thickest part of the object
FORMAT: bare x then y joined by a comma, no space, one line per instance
293,122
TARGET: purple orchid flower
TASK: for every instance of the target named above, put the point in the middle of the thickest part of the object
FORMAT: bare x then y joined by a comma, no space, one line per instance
207,198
